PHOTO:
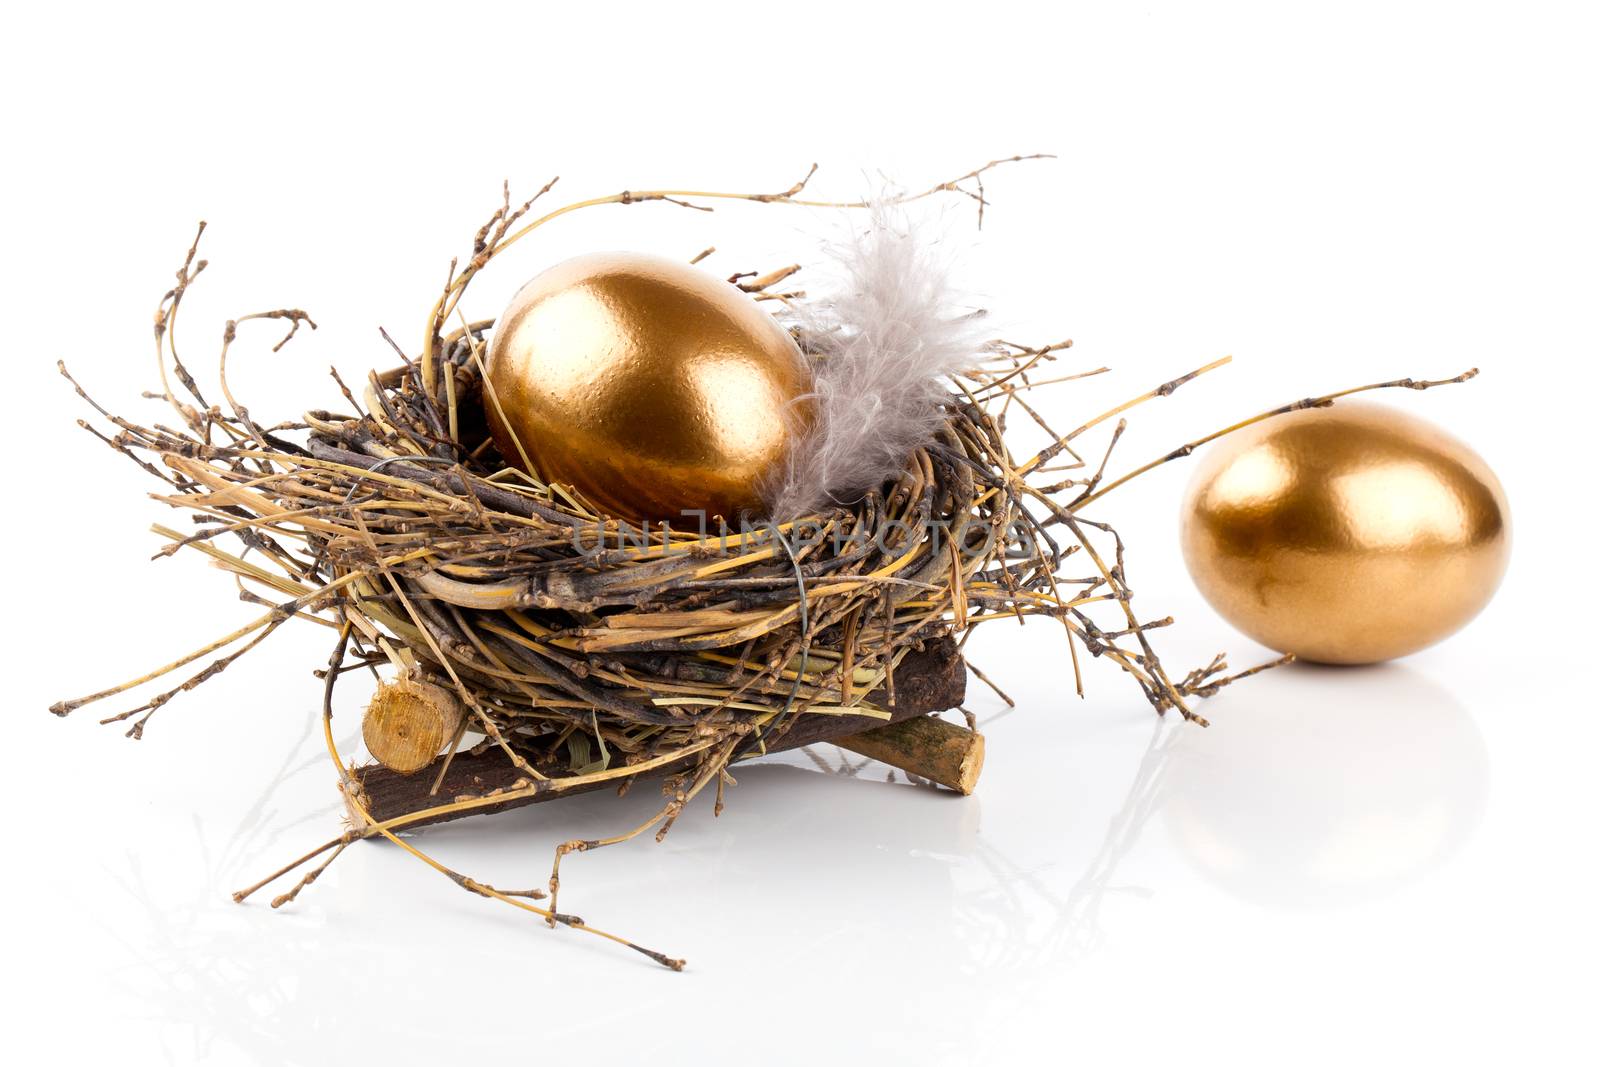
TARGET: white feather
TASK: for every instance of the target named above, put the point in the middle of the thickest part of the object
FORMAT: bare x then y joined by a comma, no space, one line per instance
883,350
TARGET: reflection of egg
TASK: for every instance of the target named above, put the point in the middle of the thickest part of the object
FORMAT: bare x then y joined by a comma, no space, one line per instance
650,386
1309,793
1347,534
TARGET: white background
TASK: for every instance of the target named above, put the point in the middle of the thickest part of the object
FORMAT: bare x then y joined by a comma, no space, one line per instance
1394,864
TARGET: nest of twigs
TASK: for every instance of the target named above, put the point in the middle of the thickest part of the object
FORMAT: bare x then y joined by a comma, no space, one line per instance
587,650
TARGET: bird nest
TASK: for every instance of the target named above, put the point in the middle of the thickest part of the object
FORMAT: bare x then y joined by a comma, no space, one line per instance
577,649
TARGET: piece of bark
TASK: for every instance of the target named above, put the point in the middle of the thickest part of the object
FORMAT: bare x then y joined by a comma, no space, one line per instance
932,748
927,680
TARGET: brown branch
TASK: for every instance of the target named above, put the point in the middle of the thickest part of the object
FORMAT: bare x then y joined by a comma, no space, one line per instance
1183,451
928,681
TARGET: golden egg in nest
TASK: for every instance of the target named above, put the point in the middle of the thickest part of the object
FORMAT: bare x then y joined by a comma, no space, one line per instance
1348,534
656,390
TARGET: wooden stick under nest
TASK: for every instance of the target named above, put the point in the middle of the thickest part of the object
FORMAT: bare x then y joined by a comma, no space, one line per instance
928,680
936,749
411,723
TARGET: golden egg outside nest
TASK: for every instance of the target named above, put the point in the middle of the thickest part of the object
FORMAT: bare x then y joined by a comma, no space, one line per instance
1348,534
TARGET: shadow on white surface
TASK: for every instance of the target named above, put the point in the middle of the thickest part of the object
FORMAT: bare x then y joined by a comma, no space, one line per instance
825,861
1324,786
1304,794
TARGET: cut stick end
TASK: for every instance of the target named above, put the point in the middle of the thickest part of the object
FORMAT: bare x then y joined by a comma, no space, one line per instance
971,766
409,722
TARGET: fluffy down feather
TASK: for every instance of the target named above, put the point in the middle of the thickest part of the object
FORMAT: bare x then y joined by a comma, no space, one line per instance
884,348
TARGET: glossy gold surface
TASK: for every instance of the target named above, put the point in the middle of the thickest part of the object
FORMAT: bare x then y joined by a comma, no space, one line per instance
1348,534
650,386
